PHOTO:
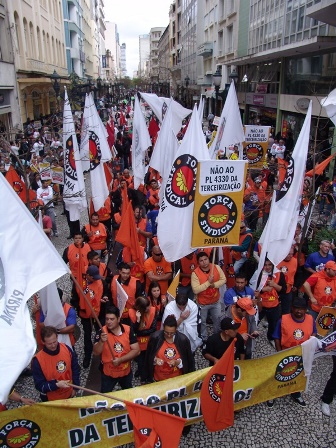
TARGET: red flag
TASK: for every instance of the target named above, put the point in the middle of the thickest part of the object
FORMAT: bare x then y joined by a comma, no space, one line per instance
228,268
108,176
110,131
17,183
154,428
217,393
153,128
128,235
320,167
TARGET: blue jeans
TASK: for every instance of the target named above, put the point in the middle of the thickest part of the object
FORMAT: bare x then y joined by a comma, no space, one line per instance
108,383
215,311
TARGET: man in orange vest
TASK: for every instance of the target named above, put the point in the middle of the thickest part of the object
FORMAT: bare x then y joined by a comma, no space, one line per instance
157,269
97,235
122,342
291,330
241,252
321,288
54,367
288,266
206,280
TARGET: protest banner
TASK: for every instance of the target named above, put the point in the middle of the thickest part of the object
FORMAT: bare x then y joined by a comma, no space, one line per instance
57,175
255,145
219,194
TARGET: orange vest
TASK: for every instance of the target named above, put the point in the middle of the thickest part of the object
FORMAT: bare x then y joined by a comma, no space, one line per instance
98,240
243,322
294,333
188,265
324,291
57,367
142,226
136,270
270,299
288,268
117,219
130,290
167,352
148,320
120,347
66,308
93,292
210,295
78,261
237,255
102,270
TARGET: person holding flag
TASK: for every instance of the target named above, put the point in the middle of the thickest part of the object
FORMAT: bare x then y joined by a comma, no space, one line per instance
117,345
97,235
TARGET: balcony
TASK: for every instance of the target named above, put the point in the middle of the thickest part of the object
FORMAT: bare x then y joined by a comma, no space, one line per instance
205,49
74,53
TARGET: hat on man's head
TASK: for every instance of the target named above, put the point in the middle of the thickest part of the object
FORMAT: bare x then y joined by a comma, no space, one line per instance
246,304
93,271
299,302
228,324
330,265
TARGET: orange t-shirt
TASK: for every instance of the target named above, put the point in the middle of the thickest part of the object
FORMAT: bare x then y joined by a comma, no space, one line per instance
167,352
160,268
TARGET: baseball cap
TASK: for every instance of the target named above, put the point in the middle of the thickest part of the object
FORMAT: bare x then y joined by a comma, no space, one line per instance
93,271
299,302
246,304
330,265
228,324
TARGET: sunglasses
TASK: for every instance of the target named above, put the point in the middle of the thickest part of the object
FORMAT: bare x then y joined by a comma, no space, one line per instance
158,255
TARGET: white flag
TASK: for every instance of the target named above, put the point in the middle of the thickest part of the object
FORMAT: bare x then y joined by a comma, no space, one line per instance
177,203
53,310
74,195
277,237
122,298
159,106
329,103
140,143
165,148
230,129
94,150
28,262
201,109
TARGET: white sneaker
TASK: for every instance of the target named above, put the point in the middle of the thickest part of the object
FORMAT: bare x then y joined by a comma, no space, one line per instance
325,408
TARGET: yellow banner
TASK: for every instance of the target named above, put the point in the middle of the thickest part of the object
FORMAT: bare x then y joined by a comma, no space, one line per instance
100,422
255,145
325,321
218,206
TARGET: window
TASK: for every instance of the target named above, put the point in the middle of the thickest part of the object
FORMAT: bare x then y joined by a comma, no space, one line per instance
17,32
26,37
31,36
39,46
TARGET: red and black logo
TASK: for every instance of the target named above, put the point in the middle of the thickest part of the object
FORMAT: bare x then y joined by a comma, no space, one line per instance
215,388
94,149
326,321
288,368
181,184
217,215
69,159
18,188
20,434
253,153
286,184
147,432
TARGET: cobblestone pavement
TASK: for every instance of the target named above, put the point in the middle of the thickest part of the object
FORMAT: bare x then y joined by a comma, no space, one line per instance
286,425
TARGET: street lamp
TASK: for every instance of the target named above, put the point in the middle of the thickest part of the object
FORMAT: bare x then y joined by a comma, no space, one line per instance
217,79
55,79
233,76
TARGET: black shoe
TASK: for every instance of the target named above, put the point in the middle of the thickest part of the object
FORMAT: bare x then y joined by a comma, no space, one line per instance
186,430
270,403
137,374
86,362
300,401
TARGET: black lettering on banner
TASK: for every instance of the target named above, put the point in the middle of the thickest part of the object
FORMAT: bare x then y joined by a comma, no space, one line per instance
197,386
171,394
115,426
86,412
242,395
86,436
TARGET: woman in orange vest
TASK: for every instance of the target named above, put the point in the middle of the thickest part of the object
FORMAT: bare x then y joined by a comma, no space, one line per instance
272,284
143,316
158,300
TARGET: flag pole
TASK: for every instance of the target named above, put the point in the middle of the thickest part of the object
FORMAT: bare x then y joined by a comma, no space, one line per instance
94,392
91,309
213,261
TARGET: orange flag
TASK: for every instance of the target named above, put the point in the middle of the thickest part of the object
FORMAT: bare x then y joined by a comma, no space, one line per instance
17,183
108,176
124,200
217,393
154,428
128,235
228,268
320,167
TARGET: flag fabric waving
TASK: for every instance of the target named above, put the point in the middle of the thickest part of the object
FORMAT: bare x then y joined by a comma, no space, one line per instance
320,167
28,262
128,235
74,195
230,129
172,289
140,143
217,393
329,103
154,428
94,151
153,128
177,202
277,237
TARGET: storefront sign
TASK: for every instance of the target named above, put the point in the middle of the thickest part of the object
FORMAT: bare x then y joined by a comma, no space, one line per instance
258,100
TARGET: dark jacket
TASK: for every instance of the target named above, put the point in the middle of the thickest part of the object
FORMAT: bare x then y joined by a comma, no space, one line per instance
183,346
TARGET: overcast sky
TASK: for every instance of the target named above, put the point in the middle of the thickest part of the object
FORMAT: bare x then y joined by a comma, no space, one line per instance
134,18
